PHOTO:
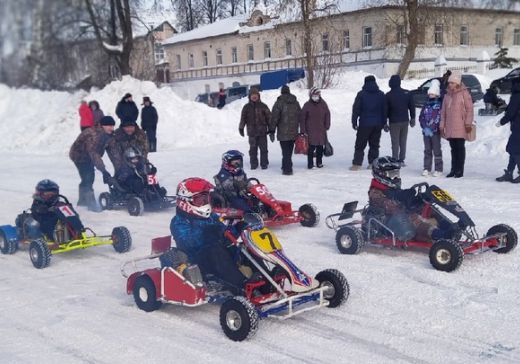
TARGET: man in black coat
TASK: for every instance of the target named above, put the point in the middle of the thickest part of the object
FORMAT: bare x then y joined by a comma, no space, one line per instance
126,109
149,119
368,118
400,111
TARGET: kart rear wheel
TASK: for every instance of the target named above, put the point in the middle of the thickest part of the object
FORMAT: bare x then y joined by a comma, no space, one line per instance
337,288
7,246
135,206
511,237
349,240
309,214
238,318
39,253
446,255
105,201
121,239
145,294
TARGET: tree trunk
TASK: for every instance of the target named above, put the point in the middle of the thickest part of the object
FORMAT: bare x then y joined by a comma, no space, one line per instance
412,37
307,43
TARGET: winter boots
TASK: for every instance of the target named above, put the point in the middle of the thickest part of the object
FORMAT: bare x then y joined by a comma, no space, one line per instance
507,177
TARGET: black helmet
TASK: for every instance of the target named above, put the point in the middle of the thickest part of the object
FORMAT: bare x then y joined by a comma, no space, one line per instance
133,156
47,191
387,171
232,161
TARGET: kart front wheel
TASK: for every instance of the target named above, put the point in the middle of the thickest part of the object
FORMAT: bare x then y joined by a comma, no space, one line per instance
135,206
145,294
39,253
238,318
7,246
105,201
510,237
336,286
349,240
446,255
309,214
121,239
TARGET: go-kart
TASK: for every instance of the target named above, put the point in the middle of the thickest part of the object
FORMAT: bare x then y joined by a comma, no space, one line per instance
431,202
69,234
274,212
152,198
281,291
492,110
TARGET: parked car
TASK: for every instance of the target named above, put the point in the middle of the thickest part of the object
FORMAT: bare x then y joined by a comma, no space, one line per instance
503,84
235,93
420,94
210,99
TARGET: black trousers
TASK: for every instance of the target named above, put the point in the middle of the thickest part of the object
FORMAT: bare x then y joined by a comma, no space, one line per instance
87,174
319,155
255,143
458,154
364,135
514,161
151,134
287,152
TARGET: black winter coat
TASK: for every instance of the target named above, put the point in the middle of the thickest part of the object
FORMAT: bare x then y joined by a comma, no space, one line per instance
399,104
149,118
369,106
127,111
512,116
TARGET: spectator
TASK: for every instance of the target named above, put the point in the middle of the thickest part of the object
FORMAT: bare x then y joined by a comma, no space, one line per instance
286,111
369,110
149,119
221,99
401,111
315,121
429,119
456,122
126,109
86,118
256,116
97,113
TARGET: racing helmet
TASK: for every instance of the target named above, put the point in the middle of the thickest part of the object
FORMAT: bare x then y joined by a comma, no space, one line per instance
132,156
193,196
233,161
387,171
47,191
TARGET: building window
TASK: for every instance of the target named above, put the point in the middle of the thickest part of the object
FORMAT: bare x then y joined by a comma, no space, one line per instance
267,49
346,39
288,47
325,42
438,35
204,58
178,57
516,37
464,35
401,35
191,60
219,56
367,37
158,52
234,55
250,52
499,37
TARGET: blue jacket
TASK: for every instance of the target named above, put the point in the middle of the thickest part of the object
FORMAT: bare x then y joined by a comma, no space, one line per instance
369,106
430,116
399,102
512,115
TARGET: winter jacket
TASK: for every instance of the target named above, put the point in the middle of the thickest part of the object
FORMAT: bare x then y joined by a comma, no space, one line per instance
491,97
512,115
399,102
86,116
149,118
122,141
369,106
46,216
127,111
97,113
90,146
230,185
430,116
315,121
192,234
221,100
285,117
456,113
256,116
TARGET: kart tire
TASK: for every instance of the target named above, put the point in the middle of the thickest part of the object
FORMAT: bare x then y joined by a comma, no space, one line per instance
349,240
145,294
121,239
338,288
7,246
135,206
39,253
238,318
511,237
446,255
105,201
309,214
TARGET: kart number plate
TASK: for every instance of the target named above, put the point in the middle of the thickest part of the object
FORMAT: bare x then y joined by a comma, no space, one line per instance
152,179
265,240
66,211
442,196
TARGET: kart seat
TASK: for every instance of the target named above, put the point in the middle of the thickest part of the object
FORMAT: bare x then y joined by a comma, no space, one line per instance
161,244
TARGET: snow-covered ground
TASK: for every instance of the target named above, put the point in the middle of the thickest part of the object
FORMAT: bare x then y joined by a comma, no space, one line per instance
400,310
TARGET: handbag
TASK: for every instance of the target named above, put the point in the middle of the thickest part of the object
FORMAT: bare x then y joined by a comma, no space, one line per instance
301,144
328,150
472,135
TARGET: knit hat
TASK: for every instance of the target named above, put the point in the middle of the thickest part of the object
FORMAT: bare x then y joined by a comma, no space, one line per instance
455,78
147,99
254,90
285,89
370,78
127,95
314,91
435,88
128,123
107,120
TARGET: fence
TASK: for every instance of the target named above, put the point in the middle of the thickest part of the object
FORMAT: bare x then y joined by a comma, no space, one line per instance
432,72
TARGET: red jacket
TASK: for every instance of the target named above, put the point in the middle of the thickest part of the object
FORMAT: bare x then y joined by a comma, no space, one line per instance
86,116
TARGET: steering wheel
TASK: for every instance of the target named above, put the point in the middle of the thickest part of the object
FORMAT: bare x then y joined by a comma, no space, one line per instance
421,187
252,179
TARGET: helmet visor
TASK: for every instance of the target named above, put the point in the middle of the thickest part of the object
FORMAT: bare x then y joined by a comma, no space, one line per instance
200,199
394,173
48,195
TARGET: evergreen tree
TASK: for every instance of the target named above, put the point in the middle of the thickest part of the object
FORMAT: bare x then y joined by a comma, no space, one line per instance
502,60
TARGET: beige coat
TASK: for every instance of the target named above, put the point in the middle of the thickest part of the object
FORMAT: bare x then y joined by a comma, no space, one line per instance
456,113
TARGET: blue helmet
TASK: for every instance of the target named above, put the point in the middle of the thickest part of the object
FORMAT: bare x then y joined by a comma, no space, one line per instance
232,161
47,191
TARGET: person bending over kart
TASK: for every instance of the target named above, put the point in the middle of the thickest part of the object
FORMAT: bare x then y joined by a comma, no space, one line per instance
400,208
493,101
43,208
200,234
231,181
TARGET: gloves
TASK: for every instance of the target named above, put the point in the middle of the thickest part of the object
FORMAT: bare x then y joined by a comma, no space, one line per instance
107,178
240,226
271,136
468,128
427,132
241,131
151,169
412,123
498,124
354,126
386,128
